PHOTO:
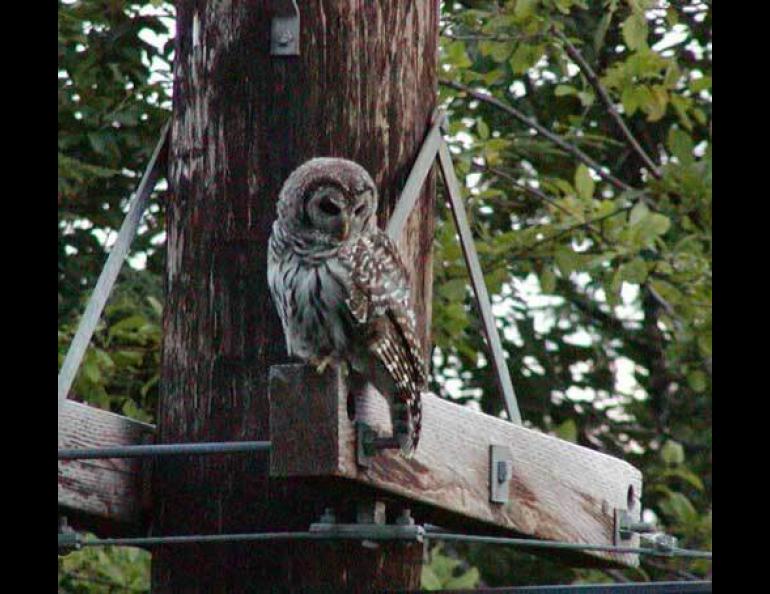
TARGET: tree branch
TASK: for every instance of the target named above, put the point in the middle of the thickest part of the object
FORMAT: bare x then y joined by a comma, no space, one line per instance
593,79
531,122
543,197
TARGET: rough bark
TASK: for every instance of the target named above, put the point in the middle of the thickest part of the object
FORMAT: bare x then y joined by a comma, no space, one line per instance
363,88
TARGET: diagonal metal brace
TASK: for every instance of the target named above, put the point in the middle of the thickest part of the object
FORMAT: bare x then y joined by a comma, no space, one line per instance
434,145
109,274
422,166
477,281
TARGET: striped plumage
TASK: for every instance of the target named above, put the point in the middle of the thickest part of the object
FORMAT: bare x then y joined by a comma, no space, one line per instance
341,289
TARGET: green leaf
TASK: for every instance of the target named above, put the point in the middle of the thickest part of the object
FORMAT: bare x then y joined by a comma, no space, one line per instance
635,31
547,280
672,453
129,324
429,580
469,579
685,475
584,183
634,271
682,105
635,96
629,100
681,146
655,106
525,8
564,90
501,51
453,290
650,226
678,507
638,212
601,30
525,57
567,431
697,380
567,261
482,129
700,84
672,16
587,98
456,55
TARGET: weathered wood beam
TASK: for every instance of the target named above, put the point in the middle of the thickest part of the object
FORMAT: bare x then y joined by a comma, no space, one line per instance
558,490
104,496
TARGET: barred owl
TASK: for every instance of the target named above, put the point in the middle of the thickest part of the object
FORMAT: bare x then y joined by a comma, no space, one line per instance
341,289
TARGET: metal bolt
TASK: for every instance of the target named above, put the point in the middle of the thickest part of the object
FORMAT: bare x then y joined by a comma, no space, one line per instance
664,542
405,518
502,471
370,512
69,540
328,516
639,527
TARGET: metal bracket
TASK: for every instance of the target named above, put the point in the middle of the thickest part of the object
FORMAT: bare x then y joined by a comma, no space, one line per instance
626,525
371,526
284,28
500,472
665,543
368,443
69,540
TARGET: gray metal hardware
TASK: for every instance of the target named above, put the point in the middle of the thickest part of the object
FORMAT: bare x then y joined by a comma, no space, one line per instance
370,512
626,525
284,28
434,146
164,449
371,531
328,516
483,302
368,443
405,518
663,542
370,525
419,172
69,540
500,473
109,274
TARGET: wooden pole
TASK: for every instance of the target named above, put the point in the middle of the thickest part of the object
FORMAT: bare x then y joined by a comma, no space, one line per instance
363,87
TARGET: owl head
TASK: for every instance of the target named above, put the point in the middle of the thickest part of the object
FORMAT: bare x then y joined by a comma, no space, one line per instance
329,199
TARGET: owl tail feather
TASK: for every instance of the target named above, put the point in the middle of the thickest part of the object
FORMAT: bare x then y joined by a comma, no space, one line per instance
405,414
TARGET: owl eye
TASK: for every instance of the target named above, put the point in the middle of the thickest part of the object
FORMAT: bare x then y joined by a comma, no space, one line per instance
329,207
360,210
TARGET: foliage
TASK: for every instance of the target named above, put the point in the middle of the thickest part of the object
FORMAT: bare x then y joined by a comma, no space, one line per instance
96,570
113,99
445,572
601,275
599,264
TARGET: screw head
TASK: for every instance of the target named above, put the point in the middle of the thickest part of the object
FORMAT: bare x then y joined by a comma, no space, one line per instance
502,471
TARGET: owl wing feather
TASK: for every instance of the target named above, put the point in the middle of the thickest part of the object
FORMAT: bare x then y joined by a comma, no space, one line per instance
379,300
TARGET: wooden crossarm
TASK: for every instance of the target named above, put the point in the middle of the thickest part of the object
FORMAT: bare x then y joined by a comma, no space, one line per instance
558,490
106,496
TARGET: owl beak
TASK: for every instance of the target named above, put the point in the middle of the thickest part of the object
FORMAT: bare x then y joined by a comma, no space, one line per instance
345,231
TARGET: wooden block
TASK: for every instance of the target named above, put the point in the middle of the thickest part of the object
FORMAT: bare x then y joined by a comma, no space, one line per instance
96,494
558,490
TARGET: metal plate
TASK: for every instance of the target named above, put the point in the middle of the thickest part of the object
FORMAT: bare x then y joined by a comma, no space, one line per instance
500,471
284,28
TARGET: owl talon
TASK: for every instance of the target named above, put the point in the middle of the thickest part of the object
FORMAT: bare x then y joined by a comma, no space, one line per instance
321,365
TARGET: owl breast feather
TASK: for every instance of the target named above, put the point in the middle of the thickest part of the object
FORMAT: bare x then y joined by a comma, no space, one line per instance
310,297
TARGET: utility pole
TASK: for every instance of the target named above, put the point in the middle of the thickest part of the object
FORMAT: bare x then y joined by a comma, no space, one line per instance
362,87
